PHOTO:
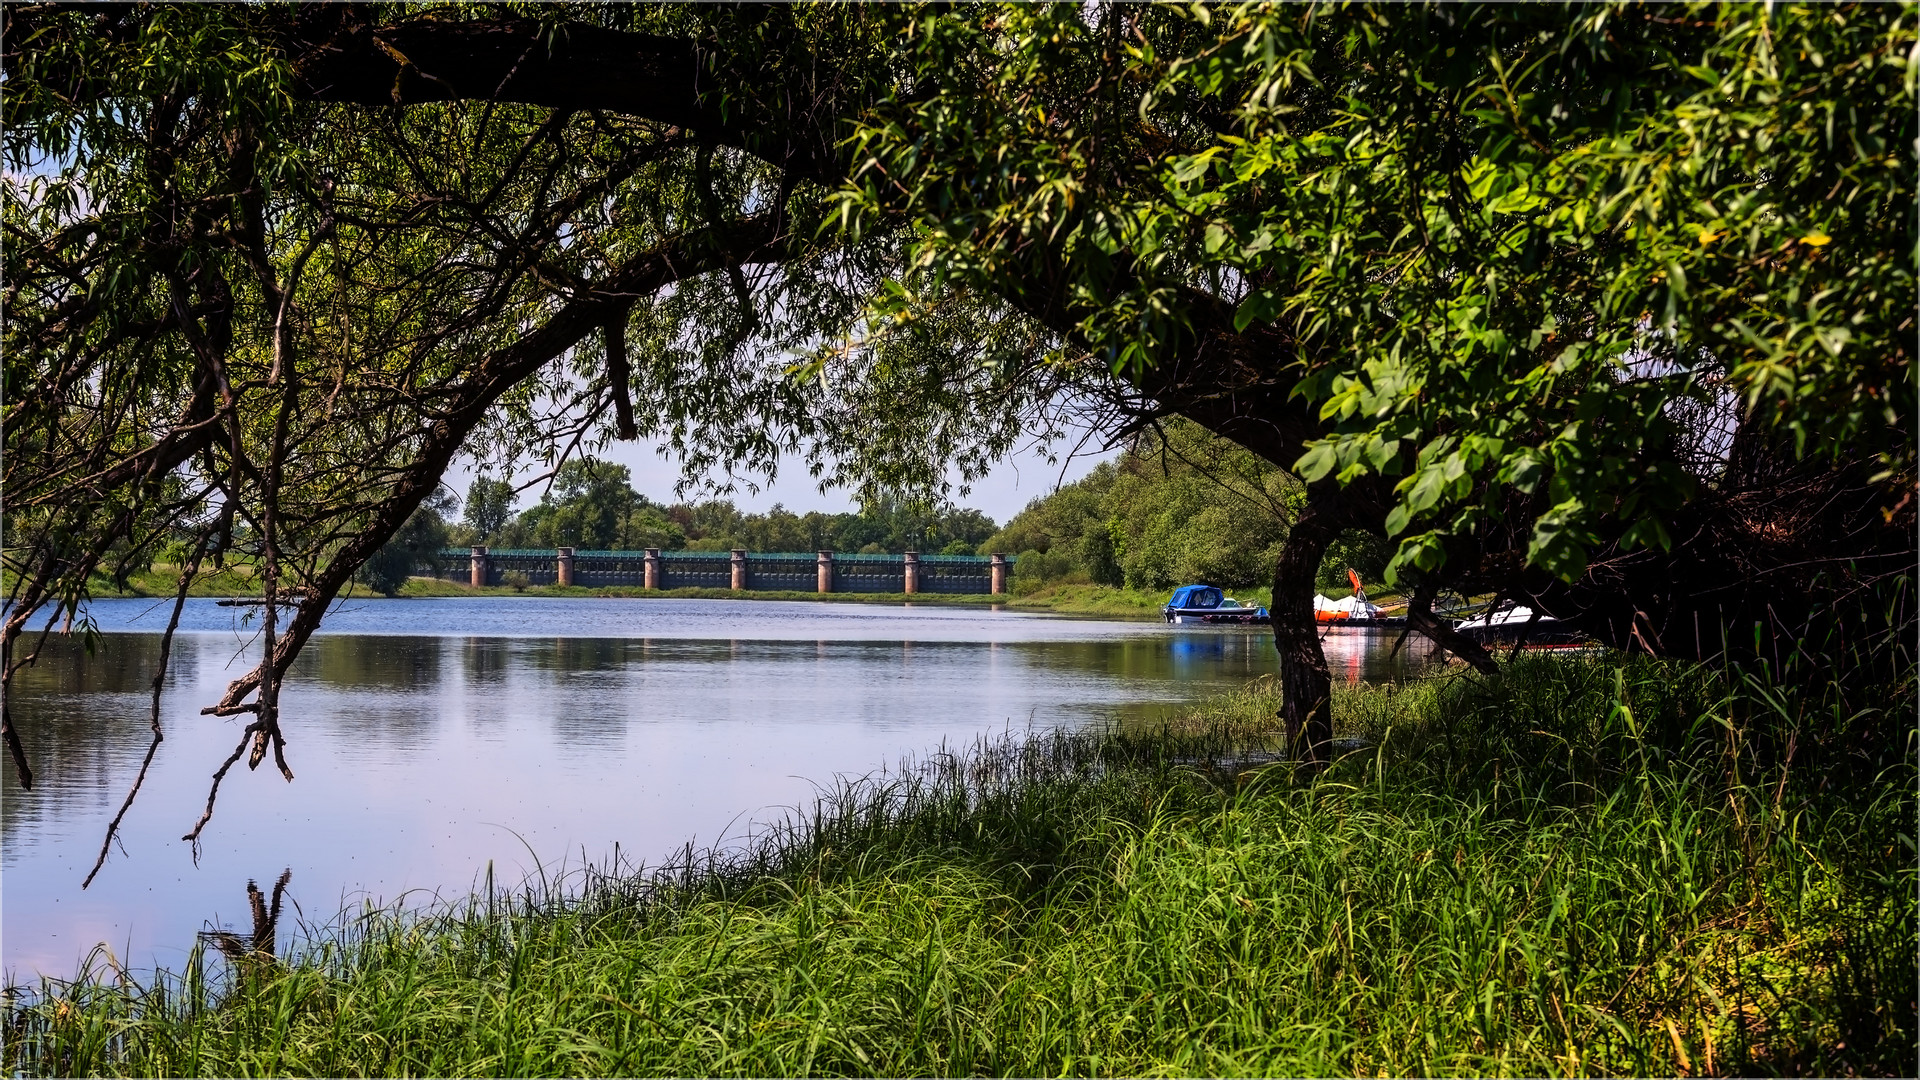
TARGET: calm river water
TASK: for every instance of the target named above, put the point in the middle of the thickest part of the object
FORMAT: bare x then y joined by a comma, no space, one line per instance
431,738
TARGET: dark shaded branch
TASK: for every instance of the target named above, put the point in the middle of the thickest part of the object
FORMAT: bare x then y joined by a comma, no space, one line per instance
15,751
620,379
213,792
1440,631
572,66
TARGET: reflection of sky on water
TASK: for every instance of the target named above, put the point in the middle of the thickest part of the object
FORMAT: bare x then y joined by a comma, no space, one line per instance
424,752
534,616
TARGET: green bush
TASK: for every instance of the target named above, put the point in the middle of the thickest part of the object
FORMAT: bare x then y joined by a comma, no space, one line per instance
1179,507
1364,553
1035,570
416,546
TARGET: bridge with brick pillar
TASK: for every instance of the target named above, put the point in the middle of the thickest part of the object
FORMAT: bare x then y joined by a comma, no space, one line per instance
652,568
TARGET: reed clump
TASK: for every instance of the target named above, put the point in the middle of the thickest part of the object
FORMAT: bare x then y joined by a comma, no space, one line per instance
1583,866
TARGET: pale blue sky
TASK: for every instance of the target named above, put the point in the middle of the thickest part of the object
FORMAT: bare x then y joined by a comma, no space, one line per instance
1000,495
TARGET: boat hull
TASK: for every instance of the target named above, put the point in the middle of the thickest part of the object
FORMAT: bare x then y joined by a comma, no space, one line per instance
1543,634
1216,616
1209,605
1520,625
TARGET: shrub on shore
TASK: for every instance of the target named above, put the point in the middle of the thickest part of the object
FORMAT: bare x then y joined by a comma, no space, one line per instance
1582,867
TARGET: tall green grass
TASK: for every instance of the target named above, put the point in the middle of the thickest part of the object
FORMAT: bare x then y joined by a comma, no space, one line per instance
1579,867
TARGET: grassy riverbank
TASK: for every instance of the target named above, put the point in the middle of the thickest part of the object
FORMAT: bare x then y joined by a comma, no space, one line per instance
1575,868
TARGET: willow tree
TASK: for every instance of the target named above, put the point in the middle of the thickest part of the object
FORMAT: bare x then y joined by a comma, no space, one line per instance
1606,307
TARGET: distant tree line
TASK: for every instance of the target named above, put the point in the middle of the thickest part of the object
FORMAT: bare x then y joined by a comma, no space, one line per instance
1180,506
591,505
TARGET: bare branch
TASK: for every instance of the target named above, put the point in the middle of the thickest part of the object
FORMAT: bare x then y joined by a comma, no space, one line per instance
187,574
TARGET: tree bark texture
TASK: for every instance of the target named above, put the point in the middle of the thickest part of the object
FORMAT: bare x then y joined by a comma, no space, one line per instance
1306,688
339,57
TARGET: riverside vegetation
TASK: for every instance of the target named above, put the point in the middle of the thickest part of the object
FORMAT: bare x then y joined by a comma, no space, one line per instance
1585,866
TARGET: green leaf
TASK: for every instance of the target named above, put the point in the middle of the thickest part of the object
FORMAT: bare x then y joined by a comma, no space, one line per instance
1319,460
1397,520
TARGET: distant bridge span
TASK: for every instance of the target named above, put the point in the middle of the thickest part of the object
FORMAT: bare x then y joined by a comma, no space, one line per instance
652,568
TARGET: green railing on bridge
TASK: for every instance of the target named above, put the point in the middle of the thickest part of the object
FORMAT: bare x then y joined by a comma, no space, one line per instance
748,570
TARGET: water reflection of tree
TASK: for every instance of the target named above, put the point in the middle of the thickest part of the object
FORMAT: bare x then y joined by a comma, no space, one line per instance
115,664
595,722
261,945
375,663
584,654
91,705
383,689
1355,657
486,660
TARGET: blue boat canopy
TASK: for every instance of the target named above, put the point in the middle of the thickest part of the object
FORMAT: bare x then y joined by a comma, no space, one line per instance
1196,596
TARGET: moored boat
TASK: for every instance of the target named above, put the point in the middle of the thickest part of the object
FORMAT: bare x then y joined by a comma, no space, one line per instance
1345,609
1353,610
1207,605
1521,624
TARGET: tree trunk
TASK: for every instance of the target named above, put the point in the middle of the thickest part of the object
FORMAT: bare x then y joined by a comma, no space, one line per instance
1306,690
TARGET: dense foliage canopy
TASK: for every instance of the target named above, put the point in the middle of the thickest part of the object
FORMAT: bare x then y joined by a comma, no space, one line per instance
1564,255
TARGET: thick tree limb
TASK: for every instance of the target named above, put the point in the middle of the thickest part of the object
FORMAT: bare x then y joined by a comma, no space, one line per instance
572,66
620,378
